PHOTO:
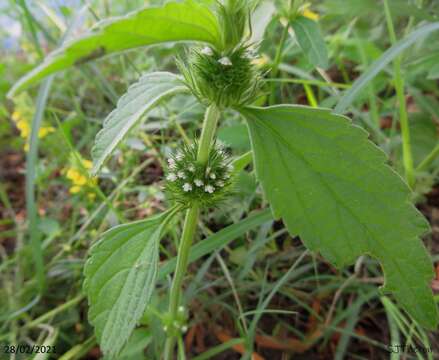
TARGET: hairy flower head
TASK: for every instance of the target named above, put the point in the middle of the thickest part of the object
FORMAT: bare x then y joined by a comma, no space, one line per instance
226,79
187,181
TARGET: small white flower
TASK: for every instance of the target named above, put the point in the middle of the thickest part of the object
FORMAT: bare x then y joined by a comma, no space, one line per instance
171,177
209,189
181,309
179,156
183,328
191,168
220,183
212,176
198,182
187,187
230,168
225,61
207,51
171,162
181,175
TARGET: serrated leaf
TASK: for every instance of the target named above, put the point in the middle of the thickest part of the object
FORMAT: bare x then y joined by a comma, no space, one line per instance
332,187
182,21
311,41
120,276
139,98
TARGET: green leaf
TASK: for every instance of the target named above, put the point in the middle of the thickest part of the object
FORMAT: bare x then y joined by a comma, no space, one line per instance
332,187
140,98
183,21
311,41
120,276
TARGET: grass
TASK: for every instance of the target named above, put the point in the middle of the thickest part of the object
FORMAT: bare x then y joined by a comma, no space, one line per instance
252,291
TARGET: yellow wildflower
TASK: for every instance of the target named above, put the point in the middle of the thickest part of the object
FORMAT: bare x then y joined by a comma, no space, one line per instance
79,178
16,116
72,174
75,189
87,164
45,130
311,15
24,128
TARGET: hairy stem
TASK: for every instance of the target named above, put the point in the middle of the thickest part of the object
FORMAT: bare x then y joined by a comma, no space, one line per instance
189,227
209,126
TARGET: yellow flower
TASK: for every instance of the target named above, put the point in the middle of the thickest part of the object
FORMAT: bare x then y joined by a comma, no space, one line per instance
24,128
80,180
16,116
72,174
311,15
75,189
45,130
87,164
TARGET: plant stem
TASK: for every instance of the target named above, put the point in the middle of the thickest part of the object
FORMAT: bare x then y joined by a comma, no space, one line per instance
403,117
209,126
189,227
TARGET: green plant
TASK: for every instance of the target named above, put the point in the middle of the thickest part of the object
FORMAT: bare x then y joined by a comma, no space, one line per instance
320,173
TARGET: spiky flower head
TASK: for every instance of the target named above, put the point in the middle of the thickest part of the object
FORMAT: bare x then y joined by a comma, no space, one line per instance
187,181
226,79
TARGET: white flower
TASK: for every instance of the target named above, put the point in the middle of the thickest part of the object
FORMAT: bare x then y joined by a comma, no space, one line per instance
207,51
171,177
229,168
187,187
181,175
183,328
171,162
212,176
198,182
179,156
209,189
191,168
220,183
225,61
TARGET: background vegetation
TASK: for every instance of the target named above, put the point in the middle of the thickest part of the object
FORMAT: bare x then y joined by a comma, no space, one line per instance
259,286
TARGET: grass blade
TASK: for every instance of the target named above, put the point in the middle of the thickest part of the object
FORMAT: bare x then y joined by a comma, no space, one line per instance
362,82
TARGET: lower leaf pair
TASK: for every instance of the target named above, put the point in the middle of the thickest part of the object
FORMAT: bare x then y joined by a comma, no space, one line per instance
120,277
